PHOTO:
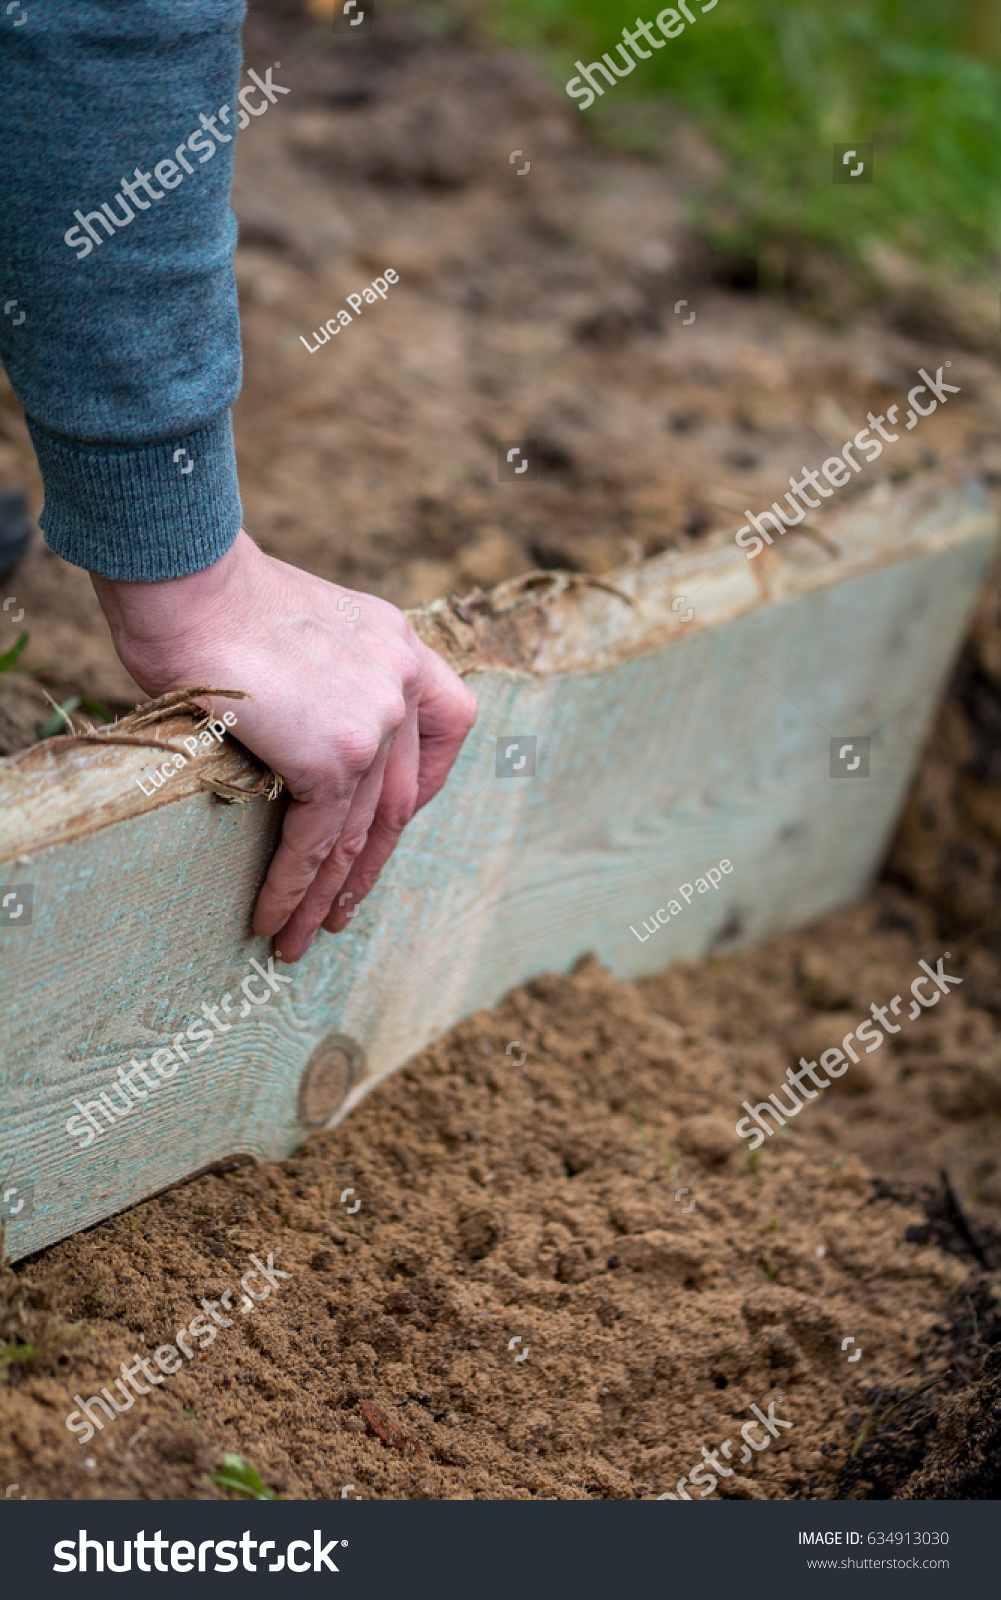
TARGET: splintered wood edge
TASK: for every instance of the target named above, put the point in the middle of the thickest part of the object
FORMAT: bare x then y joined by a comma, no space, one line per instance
55,792
540,625
536,625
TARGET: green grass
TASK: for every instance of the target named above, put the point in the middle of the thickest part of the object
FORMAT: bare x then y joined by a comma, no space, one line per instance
242,1478
60,718
12,1353
774,84
9,657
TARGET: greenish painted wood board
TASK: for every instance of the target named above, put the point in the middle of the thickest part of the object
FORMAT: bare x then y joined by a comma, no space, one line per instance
662,747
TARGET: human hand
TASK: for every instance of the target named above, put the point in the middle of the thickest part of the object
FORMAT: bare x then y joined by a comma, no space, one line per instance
361,719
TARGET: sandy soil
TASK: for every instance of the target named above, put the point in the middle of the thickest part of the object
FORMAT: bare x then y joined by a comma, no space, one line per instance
591,1202
548,1201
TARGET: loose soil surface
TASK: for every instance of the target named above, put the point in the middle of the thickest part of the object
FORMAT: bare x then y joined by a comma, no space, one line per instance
567,1275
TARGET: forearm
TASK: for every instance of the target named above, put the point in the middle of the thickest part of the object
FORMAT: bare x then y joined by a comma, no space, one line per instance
129,352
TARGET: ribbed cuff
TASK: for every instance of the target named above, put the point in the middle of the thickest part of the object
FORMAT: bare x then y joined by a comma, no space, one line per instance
140,512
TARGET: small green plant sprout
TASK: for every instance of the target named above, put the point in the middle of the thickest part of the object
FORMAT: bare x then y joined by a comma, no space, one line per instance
242,1478
11,1354
61,718
10,656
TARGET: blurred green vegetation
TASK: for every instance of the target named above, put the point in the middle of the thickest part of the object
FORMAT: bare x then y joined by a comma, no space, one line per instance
774,84
10,656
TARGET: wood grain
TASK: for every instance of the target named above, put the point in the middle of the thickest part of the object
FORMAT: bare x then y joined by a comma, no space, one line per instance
663,747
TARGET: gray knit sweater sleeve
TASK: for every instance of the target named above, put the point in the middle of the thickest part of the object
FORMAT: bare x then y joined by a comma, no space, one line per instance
121,331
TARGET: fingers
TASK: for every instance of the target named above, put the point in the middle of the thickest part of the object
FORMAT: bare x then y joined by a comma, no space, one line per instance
448,711
339,833
295,938
397,804
310,831
413,776
397,702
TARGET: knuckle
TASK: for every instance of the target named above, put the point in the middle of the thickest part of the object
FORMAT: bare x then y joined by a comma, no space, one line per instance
303,864
466,710
395,817
349,847
405,667
359,748
392,712
411,673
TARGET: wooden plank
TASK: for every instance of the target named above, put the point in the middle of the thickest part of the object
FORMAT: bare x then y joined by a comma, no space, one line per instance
662,747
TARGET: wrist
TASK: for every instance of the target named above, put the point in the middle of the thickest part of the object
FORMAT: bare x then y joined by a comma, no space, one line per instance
144,617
